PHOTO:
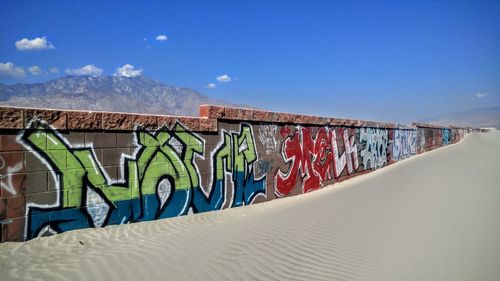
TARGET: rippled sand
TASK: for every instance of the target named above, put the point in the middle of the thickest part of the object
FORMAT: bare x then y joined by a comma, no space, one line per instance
432,217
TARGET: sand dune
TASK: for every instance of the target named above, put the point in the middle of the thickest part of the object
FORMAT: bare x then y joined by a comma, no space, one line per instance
432,217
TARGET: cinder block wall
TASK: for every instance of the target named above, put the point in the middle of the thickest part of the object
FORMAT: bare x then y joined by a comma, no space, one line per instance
66,170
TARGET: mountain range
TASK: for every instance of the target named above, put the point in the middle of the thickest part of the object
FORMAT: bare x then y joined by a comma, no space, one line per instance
145,95
107,93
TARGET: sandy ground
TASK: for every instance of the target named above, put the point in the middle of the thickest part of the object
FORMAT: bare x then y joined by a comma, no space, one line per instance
435,216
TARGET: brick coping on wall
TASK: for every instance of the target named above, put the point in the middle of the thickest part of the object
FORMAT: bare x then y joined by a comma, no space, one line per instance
232,113
20,117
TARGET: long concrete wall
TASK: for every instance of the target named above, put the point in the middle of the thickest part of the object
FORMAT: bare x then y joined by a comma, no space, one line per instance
66,170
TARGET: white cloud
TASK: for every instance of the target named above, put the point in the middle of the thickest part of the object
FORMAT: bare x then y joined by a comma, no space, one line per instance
210,86
161,37
8,69
128,70
86,70
36,44
54,70
35,70
223,78
481,95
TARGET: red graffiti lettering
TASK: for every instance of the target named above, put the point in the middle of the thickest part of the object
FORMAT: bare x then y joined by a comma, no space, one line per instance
315,159
292,153
285,131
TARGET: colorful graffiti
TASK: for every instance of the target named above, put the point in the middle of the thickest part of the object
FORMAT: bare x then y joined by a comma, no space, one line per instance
404,143
447,136
431,138
374,151
238,149
312,160
349,158
53,181
161,179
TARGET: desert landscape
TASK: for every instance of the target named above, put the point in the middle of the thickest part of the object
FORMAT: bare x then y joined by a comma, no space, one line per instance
250,140
430,217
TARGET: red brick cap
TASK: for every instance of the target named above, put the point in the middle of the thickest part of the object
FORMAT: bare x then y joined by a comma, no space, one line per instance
248,114
21,117
425,125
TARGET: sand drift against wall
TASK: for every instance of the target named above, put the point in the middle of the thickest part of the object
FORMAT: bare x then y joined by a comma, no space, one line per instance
431,217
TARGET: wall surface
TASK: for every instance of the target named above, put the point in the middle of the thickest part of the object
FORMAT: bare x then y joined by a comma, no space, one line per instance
66,170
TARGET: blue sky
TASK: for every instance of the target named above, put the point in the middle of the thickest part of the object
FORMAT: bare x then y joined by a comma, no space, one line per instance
379,60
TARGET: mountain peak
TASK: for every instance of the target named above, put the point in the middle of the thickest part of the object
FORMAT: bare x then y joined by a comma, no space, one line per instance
89,79
107,93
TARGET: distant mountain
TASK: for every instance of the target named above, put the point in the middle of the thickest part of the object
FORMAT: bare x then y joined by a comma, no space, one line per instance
107,93
488,117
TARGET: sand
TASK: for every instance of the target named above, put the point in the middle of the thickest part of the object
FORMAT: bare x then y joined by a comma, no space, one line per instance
434,216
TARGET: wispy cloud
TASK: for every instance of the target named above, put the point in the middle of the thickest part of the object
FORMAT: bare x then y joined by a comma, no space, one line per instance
37,44
86,70
54,70
161,37
128,70
210,86
223,78
481,95
35,70
8,69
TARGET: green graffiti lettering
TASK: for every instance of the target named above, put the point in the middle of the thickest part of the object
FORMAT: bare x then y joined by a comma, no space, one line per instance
161,172
223,154
193,146
244,149
75,166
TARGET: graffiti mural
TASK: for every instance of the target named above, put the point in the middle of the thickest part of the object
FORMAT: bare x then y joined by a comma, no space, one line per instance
239,154
404,143
161,178
6,173
267,136
349,158
447,136
374,151
431,138
313,159
116,172
263,166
